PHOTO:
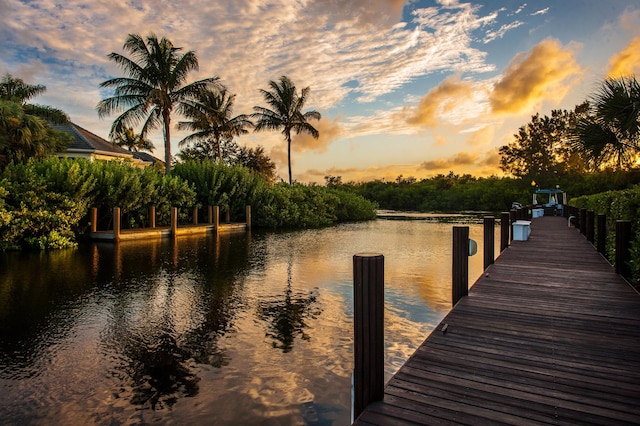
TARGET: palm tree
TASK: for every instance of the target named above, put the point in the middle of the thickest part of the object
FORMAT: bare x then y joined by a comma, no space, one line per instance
211,119
611,133
16,90
286,114
133,141
153,87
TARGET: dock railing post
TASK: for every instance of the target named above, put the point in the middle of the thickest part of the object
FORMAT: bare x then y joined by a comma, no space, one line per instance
504,231
489,240
623,244
512,218
583,221
602,234
152,216
460,272
248,210
590,226
94,219
368,314
116,223
227,214
195,215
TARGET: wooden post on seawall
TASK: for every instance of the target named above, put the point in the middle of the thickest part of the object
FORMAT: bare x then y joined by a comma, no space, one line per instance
195,215
93,217
116,224
174,222
248,210
602,234
489,240
152,216
623,245
368,316
512,218
460,272
210,215
504,230
227,214
590,226
216,217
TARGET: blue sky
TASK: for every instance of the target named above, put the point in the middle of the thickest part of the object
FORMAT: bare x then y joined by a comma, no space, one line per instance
412,88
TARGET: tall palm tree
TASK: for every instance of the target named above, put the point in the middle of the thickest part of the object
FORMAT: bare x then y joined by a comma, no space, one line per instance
611,133
153,87
211,115
133,141
286,114
16,90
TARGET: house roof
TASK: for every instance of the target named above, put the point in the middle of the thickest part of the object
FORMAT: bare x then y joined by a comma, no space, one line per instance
145,156
84,140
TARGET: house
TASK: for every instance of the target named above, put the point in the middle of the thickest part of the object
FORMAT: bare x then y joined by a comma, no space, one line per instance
85,144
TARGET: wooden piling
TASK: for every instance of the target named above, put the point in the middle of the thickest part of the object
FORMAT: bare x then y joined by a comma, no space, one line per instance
174,222
623,245
504,231
489,240
460,271
602,234
368,296
152,216
512,218
583,221
216,217
248,210
195,215
94,219
116,224
210,215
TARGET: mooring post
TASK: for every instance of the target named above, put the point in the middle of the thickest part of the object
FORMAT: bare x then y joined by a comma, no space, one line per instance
216,217
504,231
227,214
174,221
489,240
602,234
248,210
368,344
623,245
210,215
590,226
94,219
152,216
195,215
460,272
116,223
583,221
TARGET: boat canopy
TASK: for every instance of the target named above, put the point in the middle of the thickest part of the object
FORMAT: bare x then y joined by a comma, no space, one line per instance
555,196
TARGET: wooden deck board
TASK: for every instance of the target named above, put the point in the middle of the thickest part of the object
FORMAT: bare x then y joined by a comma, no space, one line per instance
549,334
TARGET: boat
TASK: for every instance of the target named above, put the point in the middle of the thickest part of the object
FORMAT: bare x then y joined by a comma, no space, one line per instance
549,202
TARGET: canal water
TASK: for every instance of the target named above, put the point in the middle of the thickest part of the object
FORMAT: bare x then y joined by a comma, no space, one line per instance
232,329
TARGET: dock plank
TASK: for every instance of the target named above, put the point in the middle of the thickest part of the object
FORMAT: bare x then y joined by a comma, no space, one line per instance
549,334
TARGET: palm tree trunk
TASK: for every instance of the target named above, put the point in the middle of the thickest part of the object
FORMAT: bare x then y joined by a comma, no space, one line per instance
167,140
289,156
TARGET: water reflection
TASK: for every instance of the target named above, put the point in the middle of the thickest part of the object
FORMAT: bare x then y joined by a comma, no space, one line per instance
228,329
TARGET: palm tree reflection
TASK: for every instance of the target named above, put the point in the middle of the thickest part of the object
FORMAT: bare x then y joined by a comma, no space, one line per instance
287,317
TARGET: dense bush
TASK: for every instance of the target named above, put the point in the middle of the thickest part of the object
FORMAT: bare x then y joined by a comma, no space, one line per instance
618,205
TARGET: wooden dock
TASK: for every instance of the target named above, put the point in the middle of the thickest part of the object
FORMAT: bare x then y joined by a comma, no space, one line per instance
165,232
549,334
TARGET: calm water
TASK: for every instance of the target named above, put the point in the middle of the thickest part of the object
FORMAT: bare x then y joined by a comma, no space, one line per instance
235,329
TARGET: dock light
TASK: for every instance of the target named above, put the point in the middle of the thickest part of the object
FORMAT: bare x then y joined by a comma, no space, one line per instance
533,183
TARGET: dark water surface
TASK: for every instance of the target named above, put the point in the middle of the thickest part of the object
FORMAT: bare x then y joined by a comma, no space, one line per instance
235,329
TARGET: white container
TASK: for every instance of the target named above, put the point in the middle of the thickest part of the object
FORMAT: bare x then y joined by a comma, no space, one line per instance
521,230
537,213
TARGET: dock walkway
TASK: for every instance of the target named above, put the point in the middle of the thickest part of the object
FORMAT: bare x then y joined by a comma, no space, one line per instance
549,334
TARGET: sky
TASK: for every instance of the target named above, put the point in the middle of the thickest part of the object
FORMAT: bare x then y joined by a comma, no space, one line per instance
410,88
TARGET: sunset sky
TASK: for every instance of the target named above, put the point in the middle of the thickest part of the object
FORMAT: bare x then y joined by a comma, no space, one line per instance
412,88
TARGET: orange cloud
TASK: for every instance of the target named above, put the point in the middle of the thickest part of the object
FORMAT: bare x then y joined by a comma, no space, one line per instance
440,100
460,159
329,131
532,77
482,137
626,62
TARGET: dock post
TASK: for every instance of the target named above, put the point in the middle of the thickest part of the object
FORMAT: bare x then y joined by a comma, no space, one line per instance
227,214
489,240
583,221
368,316
152,216
460,272
590,225
116,223
248,210
602,234
512,218
504,231
623,245
94,219
174,222
216,217
195,215
210,215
